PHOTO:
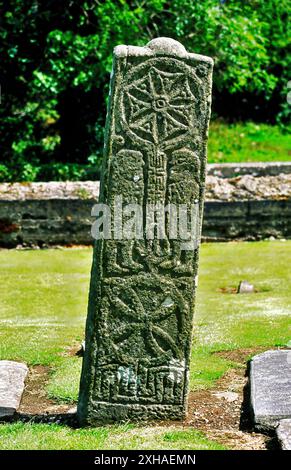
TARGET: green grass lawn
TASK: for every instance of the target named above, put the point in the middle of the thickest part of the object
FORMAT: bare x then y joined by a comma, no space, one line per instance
42,314
247,142
28,436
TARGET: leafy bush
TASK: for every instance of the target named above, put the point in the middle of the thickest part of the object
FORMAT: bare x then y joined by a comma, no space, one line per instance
56,60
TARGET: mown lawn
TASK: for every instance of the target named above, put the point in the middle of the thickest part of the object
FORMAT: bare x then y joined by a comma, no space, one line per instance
247,142
42,313
28,436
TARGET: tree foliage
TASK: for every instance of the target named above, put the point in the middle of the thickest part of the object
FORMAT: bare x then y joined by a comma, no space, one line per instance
56,60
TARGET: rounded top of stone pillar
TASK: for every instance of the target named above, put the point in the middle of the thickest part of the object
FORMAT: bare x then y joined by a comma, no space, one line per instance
166,46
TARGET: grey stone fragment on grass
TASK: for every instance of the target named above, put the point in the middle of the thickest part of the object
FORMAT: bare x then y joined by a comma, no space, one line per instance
270,380
283,432
12,377
245,288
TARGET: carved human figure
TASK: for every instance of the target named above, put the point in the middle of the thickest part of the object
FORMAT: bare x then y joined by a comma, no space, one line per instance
126,188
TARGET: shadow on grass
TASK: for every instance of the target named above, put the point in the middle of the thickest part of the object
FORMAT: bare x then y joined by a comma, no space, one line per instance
62,419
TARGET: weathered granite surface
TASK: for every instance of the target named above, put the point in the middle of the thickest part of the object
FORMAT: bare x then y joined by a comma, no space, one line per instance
12,377
283,432
270,381
139,326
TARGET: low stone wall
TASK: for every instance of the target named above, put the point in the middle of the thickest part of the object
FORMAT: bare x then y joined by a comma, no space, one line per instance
231,170
243,207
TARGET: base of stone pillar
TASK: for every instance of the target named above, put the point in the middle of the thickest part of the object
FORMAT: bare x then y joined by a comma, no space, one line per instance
101,413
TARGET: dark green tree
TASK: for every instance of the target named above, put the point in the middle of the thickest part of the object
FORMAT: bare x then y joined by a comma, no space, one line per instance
56,60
